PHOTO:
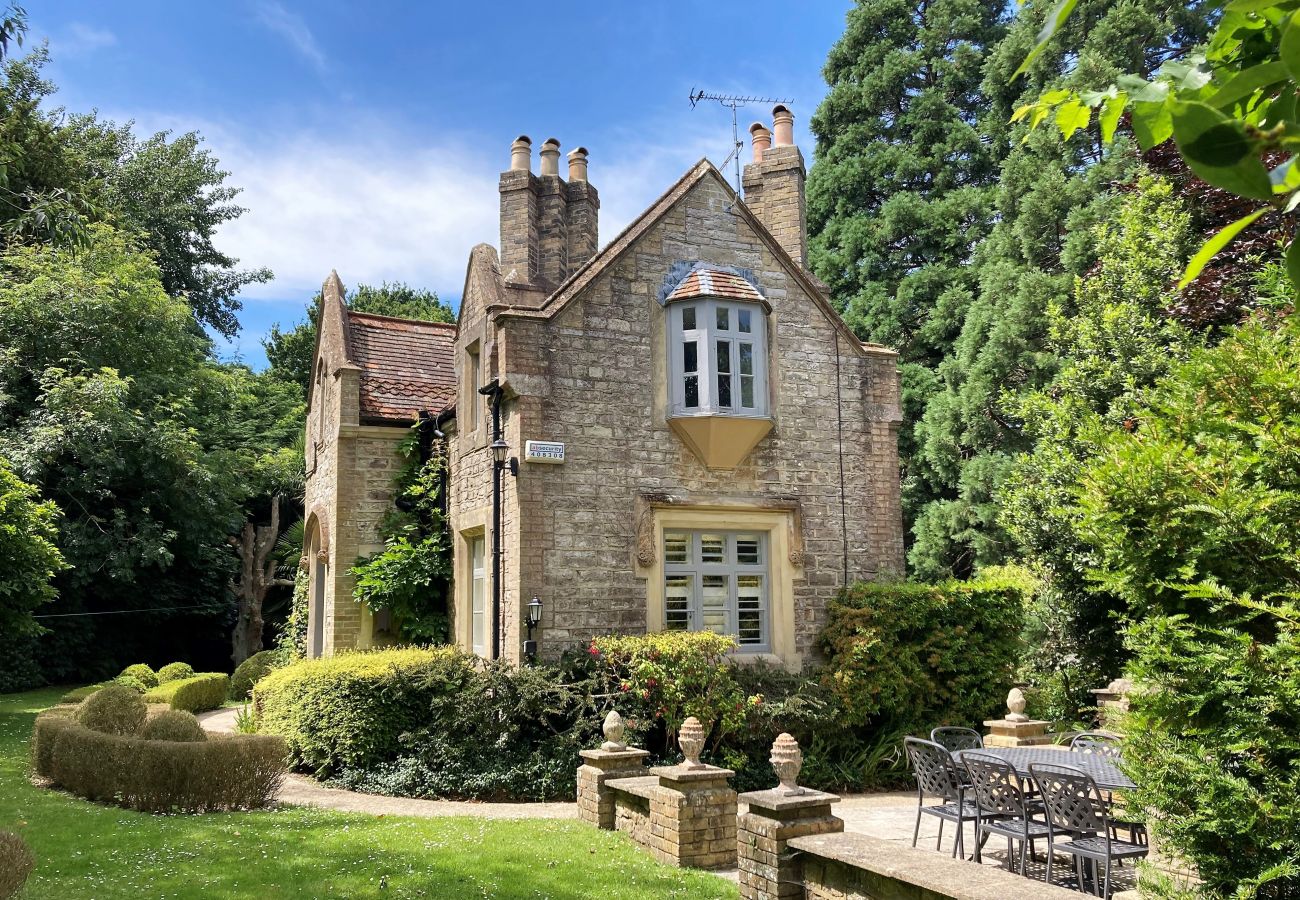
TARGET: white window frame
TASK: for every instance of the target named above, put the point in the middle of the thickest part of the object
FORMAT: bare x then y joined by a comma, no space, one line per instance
706,335
695,570
478,615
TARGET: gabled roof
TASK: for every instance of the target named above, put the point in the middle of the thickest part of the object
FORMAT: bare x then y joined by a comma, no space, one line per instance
406,365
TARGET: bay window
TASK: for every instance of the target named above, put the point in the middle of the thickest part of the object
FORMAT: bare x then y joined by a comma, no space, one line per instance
718,358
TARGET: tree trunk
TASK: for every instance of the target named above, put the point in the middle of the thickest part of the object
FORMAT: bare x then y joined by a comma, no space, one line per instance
256,577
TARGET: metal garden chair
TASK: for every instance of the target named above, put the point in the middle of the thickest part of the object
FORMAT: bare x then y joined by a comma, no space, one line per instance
1097,742
1004,808
939,775
1075,809
953,738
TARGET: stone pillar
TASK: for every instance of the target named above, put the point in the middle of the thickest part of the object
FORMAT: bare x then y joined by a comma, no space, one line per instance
1112,702
614,759
1016,729
768,867
693,811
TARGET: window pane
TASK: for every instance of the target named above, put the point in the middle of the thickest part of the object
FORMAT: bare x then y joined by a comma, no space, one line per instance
747,391
688,318
713,548
677,602
691,384
478,596
746,359
690,357
724,318
677,547
749,609
747,549
743,320
691,390
713,603
724,373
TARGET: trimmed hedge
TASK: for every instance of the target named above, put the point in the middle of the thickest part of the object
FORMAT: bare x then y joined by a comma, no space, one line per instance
16,863
174,672
351,710
227,772
142,673
195,694
173,725
114,709
251,671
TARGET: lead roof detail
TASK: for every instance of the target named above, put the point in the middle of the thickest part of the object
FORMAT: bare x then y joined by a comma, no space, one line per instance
701,279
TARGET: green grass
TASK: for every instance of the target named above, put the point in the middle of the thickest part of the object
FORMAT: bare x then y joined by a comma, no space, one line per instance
85,850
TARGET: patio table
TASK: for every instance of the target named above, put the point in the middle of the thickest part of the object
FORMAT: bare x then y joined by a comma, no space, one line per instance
1103,770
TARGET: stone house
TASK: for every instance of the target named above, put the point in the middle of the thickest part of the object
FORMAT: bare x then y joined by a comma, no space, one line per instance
692,437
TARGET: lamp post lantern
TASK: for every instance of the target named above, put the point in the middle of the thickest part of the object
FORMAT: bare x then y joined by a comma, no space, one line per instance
534,619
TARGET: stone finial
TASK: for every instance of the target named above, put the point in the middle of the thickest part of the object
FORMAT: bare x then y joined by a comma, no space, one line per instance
578,164
550,155
1016,706
761,139
614,730
787,760
782,125
691,739
521,154
1120,686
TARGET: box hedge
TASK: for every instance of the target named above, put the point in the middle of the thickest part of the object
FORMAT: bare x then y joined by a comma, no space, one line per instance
251,671
195,694
174,672
142,673
351,710
223,773
16,863
114,709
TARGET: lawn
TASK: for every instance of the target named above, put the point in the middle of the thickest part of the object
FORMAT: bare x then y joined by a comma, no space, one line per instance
89,851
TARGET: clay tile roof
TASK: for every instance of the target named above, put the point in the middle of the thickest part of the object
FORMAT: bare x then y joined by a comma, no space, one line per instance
715,283
406,366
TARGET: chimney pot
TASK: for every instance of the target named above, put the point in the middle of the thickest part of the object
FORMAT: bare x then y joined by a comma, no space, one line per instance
550,157
521,152
761,139
578,164
782,125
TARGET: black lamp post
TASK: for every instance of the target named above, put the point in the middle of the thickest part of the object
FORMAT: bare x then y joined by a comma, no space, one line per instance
534,619
501,460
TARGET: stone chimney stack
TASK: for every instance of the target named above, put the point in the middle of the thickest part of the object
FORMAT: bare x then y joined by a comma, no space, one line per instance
519,240
549,228
584,212
774,184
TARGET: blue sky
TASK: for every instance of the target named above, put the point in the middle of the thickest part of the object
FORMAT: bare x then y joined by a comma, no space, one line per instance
369,137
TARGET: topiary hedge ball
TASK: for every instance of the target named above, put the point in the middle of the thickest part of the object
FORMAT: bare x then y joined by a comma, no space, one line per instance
132,682
174,725
250,672
115,709
16,863
142,673
174,672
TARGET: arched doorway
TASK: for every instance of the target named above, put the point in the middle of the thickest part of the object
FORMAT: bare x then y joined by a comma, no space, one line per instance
317,568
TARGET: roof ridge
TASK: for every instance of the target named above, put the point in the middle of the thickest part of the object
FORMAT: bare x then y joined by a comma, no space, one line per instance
353,313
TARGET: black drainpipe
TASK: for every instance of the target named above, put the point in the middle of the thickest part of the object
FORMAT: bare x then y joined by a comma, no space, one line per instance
493,390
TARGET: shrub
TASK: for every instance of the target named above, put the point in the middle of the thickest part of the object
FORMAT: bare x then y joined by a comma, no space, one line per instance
251,671
351,710
146,676
44,733
76,695
226,772
16,863
114,709
913,656
174,725
175,671
130,681
194,694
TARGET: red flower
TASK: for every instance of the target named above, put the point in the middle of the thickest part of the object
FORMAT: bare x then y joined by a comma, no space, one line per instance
651,682
624,686
645,695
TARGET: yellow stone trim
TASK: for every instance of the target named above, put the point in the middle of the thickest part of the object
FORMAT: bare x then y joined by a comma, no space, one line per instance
777,524
472,524
396,432
720,442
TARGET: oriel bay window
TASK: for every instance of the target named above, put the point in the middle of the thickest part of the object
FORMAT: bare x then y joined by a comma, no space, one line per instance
718,358
718,581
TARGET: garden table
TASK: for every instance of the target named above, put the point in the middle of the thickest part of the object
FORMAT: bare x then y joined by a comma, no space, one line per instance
1103,770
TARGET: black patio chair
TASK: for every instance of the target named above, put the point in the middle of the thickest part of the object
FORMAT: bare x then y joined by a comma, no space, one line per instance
1076,809
939,775
952,738
1098,743
1004,808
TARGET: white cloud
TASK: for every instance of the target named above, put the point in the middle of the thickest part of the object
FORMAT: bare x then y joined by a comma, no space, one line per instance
82,39
293,29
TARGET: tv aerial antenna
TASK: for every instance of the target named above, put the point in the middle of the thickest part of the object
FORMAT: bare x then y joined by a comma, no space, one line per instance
734,102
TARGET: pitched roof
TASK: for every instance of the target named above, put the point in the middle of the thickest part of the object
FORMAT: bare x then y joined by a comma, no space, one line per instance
406,366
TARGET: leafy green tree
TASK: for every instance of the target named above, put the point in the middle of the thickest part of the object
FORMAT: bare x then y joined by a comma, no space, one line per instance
289,352
1052,190
1192,516
27,534
903,183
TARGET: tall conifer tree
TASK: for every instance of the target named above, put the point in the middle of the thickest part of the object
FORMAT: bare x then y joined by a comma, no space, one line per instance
902,186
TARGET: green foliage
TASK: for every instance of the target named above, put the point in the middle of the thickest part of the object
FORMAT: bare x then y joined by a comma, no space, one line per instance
113,709
76,695
292,642
31,559
197,693
674,675
16,863
251,671
142,673
132,682
173,725
1192,514
411,576
913,656
225,773
174,672
245,720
